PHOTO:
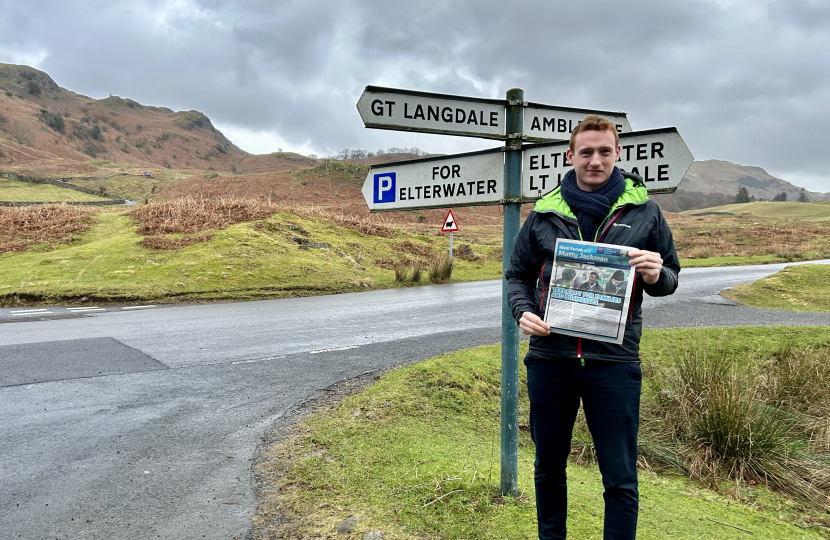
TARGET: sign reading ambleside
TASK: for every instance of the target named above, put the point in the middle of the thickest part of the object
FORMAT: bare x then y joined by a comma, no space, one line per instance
659,155
407,110
475,178
552,123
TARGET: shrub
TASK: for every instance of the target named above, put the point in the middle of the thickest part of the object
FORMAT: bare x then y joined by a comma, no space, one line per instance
441,270
417,268
401,273
22,226
709,420
91,149
96,134
53,120
33,88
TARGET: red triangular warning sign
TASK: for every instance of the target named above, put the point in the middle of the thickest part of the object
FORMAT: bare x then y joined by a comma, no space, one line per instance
450,225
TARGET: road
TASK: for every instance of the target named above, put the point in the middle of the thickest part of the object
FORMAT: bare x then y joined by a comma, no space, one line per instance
142,423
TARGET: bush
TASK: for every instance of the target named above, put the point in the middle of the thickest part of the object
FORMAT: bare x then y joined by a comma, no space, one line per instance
20,227
33,88
441,270
91,149
417,268
53,120
710,420
401,273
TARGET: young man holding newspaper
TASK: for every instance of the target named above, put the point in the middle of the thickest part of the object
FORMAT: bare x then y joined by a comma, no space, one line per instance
595,202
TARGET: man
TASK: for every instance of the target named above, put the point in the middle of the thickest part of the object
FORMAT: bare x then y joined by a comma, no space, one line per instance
616,285
592,285
594,202
567,279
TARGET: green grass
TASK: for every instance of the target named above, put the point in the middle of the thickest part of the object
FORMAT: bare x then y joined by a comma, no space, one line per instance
798,288
135,187
16,191
813,211
417,454
243,262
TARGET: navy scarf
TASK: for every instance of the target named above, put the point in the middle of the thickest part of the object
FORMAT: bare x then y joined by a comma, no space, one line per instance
591,207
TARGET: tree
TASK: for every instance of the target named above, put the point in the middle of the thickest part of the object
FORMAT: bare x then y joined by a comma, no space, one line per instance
802,197
742,196
781,197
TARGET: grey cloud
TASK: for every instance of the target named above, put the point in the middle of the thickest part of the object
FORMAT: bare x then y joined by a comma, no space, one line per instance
748,82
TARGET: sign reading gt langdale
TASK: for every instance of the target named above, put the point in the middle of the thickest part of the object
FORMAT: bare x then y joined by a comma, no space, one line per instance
475,178
407,110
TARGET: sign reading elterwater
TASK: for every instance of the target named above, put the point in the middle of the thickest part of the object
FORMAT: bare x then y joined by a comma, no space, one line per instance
659,155
474,178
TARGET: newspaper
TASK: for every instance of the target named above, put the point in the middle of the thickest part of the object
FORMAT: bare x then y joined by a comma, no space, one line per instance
590,290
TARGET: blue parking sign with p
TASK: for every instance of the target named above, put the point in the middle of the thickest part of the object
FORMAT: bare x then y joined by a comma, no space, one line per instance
385,187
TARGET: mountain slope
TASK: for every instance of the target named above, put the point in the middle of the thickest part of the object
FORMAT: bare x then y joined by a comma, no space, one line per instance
716,182
48,128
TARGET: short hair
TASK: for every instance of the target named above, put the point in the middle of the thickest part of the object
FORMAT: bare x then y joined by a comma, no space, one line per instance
568,273
619,275
594,274
594,122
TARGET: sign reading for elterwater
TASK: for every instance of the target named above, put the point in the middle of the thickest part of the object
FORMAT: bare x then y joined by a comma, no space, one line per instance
408,110
471,179
658,155
554,123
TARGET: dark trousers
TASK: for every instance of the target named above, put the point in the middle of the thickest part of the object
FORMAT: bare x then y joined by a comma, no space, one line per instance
610,394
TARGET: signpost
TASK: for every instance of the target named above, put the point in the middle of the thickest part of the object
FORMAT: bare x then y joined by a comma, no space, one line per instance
512,175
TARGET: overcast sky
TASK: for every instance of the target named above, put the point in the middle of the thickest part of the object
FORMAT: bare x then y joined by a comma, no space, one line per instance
743,80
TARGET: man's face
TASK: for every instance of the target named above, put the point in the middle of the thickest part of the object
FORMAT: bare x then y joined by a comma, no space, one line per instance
592,279
593,158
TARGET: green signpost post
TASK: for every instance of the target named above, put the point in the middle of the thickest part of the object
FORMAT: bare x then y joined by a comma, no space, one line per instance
511,175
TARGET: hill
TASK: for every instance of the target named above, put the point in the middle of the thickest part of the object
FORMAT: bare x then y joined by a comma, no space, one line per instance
814,211
48,130
716,182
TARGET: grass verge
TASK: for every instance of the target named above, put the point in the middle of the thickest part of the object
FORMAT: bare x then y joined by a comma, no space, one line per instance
16,191
417,456
283,255
799,288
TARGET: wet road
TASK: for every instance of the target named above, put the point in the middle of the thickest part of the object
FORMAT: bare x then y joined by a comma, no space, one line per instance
142,423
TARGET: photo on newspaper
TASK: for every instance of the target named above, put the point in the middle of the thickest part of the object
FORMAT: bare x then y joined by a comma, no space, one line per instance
590,290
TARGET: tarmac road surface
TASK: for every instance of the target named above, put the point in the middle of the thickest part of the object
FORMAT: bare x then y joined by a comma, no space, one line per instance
134,422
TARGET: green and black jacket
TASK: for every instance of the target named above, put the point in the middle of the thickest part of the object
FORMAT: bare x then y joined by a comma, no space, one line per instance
634,221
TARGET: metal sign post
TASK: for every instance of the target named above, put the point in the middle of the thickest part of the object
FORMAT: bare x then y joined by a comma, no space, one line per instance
509,176
509,330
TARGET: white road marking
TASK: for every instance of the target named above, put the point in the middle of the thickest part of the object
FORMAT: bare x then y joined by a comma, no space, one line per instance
137,307
24,313
332,350
29,310
257,360
85,309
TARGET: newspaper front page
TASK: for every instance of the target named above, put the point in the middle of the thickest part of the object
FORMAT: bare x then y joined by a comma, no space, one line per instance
590,290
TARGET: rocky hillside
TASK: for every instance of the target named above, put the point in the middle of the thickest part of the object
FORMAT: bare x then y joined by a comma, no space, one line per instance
716,182
48,129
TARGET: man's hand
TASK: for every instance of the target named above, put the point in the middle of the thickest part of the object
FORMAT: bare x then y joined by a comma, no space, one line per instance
532,325
647,263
